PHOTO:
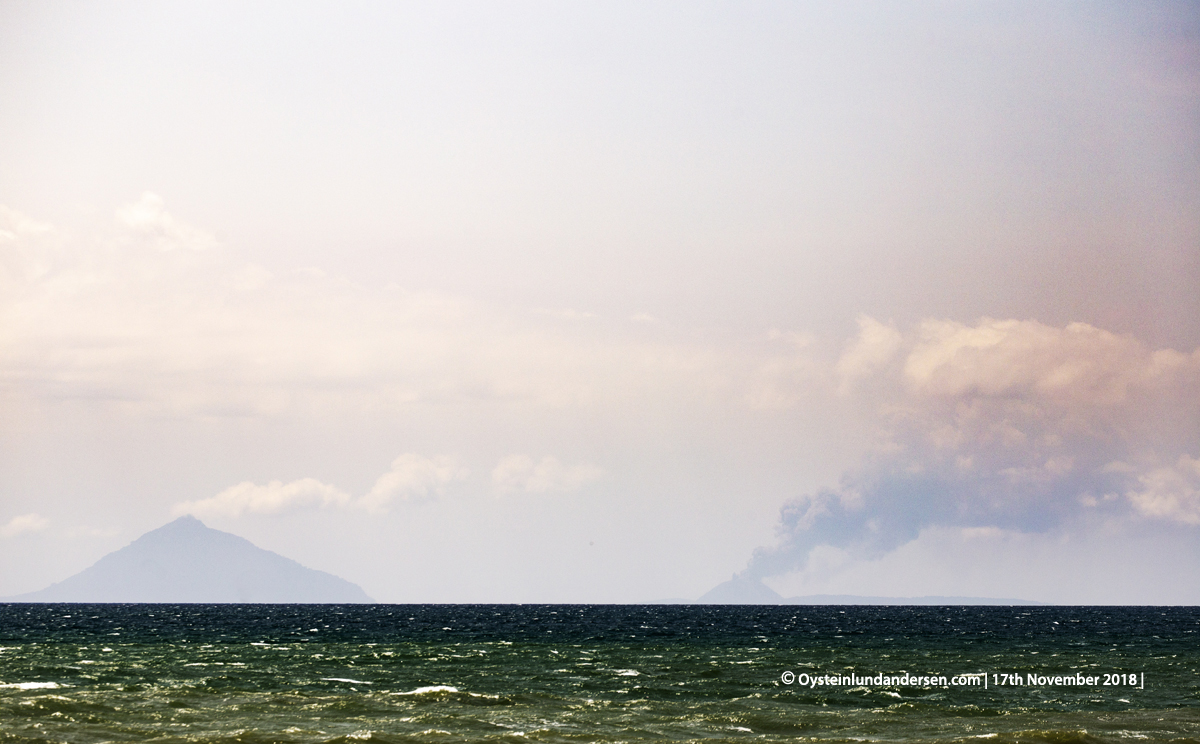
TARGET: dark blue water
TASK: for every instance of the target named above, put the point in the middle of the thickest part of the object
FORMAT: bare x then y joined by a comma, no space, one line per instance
449,673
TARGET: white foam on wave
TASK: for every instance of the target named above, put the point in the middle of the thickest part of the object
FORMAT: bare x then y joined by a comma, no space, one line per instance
429,690
32,685
628,673
344,679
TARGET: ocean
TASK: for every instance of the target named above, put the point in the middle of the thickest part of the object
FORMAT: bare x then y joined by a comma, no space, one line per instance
597,673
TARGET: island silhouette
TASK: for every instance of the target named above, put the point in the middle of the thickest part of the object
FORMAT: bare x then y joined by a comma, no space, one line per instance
186,561
752,591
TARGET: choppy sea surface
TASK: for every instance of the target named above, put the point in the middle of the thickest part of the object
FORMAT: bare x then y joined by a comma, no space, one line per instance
603,673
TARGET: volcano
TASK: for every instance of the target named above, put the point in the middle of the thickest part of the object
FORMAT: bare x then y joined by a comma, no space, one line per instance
187,562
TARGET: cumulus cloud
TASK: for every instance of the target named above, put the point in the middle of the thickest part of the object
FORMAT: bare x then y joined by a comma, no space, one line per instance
20,264
548,475
275,497
23,525
1011,358
147,219
1171,493
412,476
1007,425
14,225
875,346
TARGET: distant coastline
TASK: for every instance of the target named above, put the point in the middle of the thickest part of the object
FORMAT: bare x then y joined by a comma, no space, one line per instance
746,590
855,599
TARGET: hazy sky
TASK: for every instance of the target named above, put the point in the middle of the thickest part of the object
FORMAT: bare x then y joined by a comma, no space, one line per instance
598,303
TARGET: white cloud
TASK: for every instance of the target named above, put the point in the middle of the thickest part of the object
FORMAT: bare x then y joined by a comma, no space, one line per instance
412,476
20,265
148,219
275,497
23,525
1170,493
1017,358
875,346
522,473
14,225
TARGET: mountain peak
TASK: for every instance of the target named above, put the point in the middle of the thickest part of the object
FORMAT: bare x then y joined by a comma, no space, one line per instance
182,524
741,590
186,561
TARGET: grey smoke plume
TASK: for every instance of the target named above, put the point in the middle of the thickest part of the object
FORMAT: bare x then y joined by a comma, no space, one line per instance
1009,425
875,512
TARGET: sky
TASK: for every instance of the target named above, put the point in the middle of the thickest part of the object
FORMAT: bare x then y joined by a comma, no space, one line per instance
566,302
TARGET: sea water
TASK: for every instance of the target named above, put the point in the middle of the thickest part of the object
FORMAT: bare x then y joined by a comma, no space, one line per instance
577,673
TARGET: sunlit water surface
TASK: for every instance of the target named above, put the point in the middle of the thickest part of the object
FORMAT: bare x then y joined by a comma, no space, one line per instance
574,673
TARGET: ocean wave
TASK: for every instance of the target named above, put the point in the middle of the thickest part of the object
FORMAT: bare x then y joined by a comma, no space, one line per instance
431,690
448,692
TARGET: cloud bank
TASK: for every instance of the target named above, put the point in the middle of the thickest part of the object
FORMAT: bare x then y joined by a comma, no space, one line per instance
275,497
411,477
156,315
23,525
